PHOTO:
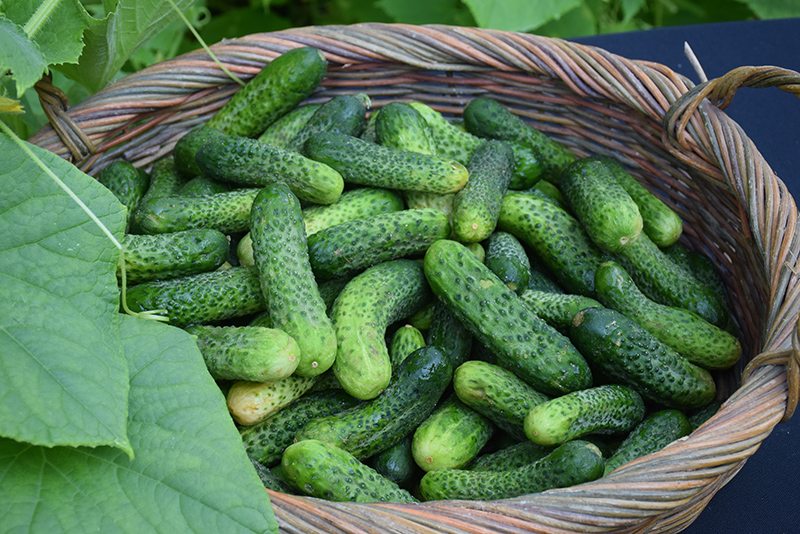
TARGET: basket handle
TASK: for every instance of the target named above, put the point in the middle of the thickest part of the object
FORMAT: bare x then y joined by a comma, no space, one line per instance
55,105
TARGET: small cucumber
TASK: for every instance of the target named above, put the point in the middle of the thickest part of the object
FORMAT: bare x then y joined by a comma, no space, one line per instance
287,281
608,213
397,464
361,314
201,298
449,334
506,257
557,309
281,132
344,114
405,340
365,163
605,409
449,140
570,464
542,281
374,426
187,146
629,354
511,457
327,472
266,440
477,206
128,183
655,432
202,185
250,353
357,203
497,394
557,238
173,255
422,319
400,125
495,315
350,247
690,335
250,403
272,480
281,85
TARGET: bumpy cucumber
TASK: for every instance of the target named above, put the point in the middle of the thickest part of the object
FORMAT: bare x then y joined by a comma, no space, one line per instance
629,354
400,125
271,480
202,185
496,393
495,315
557,238
281,132
397,464
250,403
248,162
658,430
201,298
368,304
373,426
547,188
570,464
365,163
451,436
608,213
287,281
128,183
557,309
405,340
450,140
506,257
449,334
510,457
173,255
327,472
609,409
250,353
690,335
422,319
280,86
542,281
357,203
350,247
344,114
266,440
477,206
187,146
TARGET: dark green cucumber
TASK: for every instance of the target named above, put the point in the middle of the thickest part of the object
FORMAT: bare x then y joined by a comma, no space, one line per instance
422,319
522,342
128,183
405,340
173,255
701,415
281,132
557,309
357,203
272,480
497,394
287,281
201,298
187,146
629,354
344,114
477,206
350,247
557,238
328,472
370,131
506,257
202,185
570,464
510,457
281,85
608,213
397,464
658,430
249,403
266,441
690,335
449,334
542,281
451,436
250,353
361,314
165,181
365,163
605,409
374,426
248,162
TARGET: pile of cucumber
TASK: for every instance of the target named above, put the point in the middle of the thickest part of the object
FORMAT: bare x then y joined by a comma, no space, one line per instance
401,307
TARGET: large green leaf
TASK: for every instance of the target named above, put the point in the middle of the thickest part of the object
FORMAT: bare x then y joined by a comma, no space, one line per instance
63,375
20,55
518,15
774,9
428,11
189,474
59,37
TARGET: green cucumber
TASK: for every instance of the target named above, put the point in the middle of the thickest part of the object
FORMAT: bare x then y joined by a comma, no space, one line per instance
327,472
281,85
497,394
281,132
605,409
173,255
451,436
397,464
422,319
350,247
547,188
250,353
522,342
557,309
570,464
287,281
655,432
510,457
400,125
448,139
365,163
701,415
202,185
361,314
542,281
266,440
690,335
449,334
187,146
201,298
506,257
248,162
128,183
344,114
628,354
357,203
608,213
477,206
249,403
556,237
405,340
271,480
370,131
373,426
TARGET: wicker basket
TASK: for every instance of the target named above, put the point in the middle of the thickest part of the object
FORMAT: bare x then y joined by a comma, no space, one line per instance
671,134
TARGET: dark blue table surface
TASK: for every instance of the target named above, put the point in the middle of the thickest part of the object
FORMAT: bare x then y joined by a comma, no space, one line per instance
763,497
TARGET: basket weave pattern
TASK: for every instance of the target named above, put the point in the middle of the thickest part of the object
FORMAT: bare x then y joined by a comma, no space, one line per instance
672,135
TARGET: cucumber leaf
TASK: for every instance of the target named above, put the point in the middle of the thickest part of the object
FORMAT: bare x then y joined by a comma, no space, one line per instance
428,11
63,374
190,472
518,15
774,9
20,55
